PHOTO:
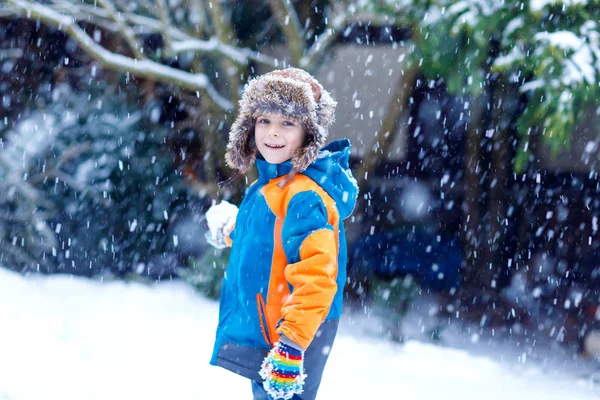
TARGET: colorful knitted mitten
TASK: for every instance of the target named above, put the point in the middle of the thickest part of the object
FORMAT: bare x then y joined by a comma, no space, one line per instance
283,371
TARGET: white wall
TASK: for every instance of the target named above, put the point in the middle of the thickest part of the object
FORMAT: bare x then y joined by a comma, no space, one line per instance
361,79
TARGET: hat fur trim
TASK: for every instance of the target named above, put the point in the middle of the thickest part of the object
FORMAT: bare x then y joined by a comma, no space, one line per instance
274,93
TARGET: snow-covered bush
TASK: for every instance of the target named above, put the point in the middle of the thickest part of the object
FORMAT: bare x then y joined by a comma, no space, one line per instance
26,239
110,177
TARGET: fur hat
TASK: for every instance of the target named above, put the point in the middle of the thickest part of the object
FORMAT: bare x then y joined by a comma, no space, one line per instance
291,92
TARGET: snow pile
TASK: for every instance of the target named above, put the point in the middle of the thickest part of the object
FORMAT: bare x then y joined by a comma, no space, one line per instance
71,338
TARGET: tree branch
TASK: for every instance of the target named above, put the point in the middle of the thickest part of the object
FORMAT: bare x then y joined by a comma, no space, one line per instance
144,68
125,31
164,19
197,17
288,21
324,41
145,25
225,35
186,43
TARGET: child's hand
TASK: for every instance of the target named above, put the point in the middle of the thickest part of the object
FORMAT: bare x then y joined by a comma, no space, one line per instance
283,371
221,220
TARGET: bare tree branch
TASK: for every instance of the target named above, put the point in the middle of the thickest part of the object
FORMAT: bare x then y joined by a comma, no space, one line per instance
125,31
325,41
164,19
197,17
225,35
144,68
288,21
146,25
213,45
187,43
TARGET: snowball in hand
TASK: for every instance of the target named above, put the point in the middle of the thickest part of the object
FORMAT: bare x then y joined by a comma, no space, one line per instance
220,219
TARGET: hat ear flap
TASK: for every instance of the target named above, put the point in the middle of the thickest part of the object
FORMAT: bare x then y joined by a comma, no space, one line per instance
326,110
316,132
241,149
304,156
308,152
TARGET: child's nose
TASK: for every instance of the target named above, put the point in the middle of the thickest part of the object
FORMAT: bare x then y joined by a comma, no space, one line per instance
273,131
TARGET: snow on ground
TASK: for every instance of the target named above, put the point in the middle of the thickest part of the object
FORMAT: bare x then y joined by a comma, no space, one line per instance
73,338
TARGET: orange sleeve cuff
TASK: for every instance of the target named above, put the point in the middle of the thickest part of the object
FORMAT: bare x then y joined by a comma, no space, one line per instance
228,240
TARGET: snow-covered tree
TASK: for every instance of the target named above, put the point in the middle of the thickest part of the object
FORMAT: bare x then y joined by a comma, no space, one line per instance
110,177
180,30
494,55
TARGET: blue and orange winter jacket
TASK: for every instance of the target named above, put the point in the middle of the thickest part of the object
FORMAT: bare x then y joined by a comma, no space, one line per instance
287,265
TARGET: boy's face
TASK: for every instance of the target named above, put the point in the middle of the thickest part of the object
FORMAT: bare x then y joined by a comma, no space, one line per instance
278,137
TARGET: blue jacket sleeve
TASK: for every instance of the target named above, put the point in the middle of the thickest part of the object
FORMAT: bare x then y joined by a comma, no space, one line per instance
311,251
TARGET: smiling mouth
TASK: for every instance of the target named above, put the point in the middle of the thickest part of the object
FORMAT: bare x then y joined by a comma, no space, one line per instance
274,146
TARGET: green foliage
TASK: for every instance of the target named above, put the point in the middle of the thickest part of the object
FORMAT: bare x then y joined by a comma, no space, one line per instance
551,53
392,299
557,67
206,273
396,294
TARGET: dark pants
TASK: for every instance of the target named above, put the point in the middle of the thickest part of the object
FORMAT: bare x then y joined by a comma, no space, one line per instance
315,358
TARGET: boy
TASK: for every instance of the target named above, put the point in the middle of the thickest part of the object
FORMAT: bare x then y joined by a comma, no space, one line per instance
282,295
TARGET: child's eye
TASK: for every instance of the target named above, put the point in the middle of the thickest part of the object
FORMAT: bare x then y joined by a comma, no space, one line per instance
288,123
263,121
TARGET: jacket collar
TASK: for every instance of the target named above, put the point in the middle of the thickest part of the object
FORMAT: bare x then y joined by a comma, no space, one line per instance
268,171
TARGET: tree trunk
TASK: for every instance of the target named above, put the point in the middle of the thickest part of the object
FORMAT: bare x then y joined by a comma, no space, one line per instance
473,275
496,228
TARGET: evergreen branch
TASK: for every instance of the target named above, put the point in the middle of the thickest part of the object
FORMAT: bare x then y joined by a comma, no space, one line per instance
144,68
20,185
69,154
55,172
